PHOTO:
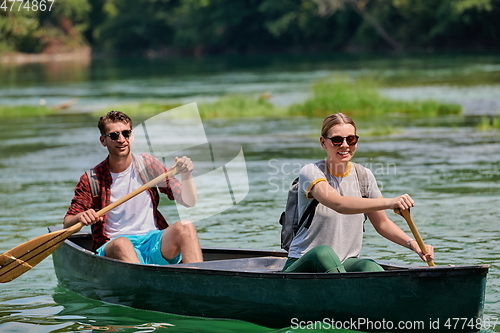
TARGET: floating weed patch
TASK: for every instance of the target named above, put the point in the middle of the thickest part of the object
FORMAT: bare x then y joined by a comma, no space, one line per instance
489,123
361,98
378,130
236,106
22,111
146,108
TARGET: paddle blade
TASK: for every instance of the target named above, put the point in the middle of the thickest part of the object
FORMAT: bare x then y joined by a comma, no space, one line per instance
24,257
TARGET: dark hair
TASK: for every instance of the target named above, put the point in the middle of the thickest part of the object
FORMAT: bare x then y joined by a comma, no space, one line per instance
113,117
335,119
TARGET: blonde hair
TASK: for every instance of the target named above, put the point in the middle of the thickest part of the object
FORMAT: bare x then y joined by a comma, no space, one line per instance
336,119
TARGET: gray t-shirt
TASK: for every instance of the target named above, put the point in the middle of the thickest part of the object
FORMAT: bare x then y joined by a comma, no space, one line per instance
342,232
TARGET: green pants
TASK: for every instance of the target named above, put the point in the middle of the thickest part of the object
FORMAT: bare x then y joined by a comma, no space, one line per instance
322,259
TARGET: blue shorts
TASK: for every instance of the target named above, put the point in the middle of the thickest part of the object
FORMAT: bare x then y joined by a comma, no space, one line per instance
147,247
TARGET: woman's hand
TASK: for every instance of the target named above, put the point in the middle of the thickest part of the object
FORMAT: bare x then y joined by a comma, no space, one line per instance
402,202
425,257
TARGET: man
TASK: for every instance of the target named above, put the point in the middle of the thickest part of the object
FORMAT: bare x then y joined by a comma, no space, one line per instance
135,231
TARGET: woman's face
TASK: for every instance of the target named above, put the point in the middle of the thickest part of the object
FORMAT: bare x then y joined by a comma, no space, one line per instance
342,153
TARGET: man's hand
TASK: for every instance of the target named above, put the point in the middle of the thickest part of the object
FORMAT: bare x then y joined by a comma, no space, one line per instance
184,164
88,217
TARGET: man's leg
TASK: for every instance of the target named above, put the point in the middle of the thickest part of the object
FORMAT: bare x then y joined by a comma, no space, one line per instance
181,237
121,248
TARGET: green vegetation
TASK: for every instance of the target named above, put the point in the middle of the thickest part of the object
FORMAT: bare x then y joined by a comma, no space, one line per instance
231,106
361,98
25,111
375,130
43,26
489,123
159,27
146,108
239,106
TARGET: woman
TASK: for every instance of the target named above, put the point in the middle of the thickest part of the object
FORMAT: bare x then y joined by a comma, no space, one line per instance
332,242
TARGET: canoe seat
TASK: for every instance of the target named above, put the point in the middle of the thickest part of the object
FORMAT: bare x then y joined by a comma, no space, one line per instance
256,265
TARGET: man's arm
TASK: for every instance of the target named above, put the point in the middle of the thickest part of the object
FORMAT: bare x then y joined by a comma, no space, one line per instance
188,191
80,209
87,217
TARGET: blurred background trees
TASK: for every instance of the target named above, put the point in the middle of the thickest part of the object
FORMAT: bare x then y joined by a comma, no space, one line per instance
149,27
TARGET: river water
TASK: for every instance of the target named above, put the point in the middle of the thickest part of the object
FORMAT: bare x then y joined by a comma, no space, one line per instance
449,167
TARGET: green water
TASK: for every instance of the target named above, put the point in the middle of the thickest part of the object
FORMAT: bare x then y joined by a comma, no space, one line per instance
451,169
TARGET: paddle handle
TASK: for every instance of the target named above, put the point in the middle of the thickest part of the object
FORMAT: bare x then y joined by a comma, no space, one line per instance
172,172
407,216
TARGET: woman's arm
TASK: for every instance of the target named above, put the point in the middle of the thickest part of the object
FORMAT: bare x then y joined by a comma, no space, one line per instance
389,230
330,197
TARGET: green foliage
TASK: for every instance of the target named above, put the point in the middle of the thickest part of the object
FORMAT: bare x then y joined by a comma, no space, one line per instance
17,29
33,31
248,26
361,98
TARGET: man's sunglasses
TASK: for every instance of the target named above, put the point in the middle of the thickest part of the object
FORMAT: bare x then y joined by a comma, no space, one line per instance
339,140
115,135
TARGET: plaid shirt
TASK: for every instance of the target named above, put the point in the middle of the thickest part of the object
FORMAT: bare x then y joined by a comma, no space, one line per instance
83,200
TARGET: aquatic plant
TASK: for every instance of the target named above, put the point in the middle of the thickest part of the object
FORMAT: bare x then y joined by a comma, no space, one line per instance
361,98
20,111
489,123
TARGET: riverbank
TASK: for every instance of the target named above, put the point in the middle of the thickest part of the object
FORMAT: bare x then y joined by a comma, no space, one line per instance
19,58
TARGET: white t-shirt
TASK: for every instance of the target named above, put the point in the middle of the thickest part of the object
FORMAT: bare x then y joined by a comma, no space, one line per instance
342,232
135,216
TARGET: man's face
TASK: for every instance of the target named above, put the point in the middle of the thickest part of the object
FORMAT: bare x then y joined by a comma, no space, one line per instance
118,144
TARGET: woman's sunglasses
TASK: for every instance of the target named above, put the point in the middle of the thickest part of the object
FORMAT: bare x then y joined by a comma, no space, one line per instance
339,140
115,135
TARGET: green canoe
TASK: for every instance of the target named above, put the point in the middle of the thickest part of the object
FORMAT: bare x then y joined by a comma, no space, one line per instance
248,285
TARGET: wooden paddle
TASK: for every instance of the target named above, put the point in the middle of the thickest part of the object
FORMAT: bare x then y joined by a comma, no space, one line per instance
24,257
407,216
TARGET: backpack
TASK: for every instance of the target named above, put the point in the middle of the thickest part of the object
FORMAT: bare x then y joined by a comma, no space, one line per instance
95,188
289,219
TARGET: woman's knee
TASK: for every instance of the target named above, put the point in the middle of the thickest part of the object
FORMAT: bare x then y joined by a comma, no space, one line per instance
323,252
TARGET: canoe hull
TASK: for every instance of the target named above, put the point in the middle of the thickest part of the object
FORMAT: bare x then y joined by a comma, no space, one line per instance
375,301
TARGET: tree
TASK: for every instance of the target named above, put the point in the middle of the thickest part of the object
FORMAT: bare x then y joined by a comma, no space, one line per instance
328,7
